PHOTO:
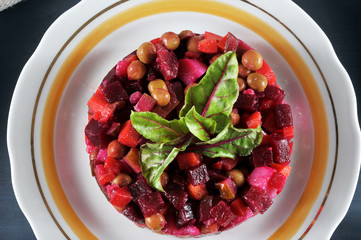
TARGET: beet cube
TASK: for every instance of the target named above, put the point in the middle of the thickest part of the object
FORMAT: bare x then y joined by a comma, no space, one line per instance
122,115
278,181
231,43
120,197
96,133
227,189
176,88
115,92
128,136
140,188
134,98
133,213
274,93
190,70
110,78
247,101
185,215
150,204
168,64
262,156
198,175
283,116
133,86
281,149
257,199
216,176
166,110
176,195
145,103
260,177
222,213
103,175
204,208
180,178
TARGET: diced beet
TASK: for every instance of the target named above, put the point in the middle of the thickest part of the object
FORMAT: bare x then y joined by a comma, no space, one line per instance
150,203
176,88
121,68
204,208
247,101
124,167
122,115
242,46
103,175
115,92
110,78
208,45
198,175
216,176
172,229
192,55
120,197
190,70
128,136
283,116
284,170
240,209
134,98
260,177
164,111
266,71
110,188
231,43
225,164
185,215
222,213
268,123
176,195
133,86
265,104
257,199
227,189
281,149
188,160
102,155
254,120
132,159
140,188
262,156
212,35
274,93
114,130
100,108
133,213
96,132
180,178
145,103
168,63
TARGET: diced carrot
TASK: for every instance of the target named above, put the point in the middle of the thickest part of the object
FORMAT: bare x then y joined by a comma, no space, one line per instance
112,164
222,43
268,73
284,170
103,175
208,45
98,105
288,132
212,35
120,197
132,158
128,136
254,120
188,160
197,192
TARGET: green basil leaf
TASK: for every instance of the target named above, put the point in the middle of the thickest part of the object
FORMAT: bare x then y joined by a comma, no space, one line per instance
216,93
151,126
201,127
155,158
231,142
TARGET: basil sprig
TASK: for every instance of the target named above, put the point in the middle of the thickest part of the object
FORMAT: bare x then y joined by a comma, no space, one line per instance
203,125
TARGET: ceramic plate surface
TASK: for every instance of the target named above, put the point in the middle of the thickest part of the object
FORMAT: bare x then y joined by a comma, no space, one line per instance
51,174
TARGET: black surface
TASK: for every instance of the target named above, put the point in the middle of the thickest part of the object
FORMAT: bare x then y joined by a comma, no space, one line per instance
22,26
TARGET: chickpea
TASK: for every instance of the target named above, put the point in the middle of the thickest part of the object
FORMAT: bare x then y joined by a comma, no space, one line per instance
237,177
155,222
185,34
170,40
164,179
252,60
158,83
188,87
116,150
243,72
235,118
162,96
136,70
241,84
147,52
257,81
192,44
122,180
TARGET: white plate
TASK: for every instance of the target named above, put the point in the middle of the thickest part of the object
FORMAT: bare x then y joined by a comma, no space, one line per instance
48,113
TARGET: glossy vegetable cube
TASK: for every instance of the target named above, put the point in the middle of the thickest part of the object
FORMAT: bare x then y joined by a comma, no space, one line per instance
208,45
197,192
100,108
188,160
140,188
240,209
190,70
204,208
262,156
133,213
222,213
247,101
260,176
281,149
274,93
128,136
145,103
266,71
185,215
225,164
176,195
112,164
96,133
103,175
132,159
254,120
150,204
283,116
120,197
207,229
134,98
168,64
231,43
257,199
198,174
227,189
115,92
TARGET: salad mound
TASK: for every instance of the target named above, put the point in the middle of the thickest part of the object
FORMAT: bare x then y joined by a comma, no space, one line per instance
190,134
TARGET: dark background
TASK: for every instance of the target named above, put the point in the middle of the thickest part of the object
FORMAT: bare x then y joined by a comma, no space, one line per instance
22,26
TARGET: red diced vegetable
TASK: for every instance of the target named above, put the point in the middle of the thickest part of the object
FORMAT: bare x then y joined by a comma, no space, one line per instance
132,158
145,104
112,164
188,160
120,197
266,71
288,132
212,35
102,110
128,136
222,213
284,170
197,192
262,156
168,63
227,189
103,175
190,70
208,45
254,120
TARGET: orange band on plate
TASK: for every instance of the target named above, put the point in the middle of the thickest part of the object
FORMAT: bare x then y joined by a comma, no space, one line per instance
315,181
